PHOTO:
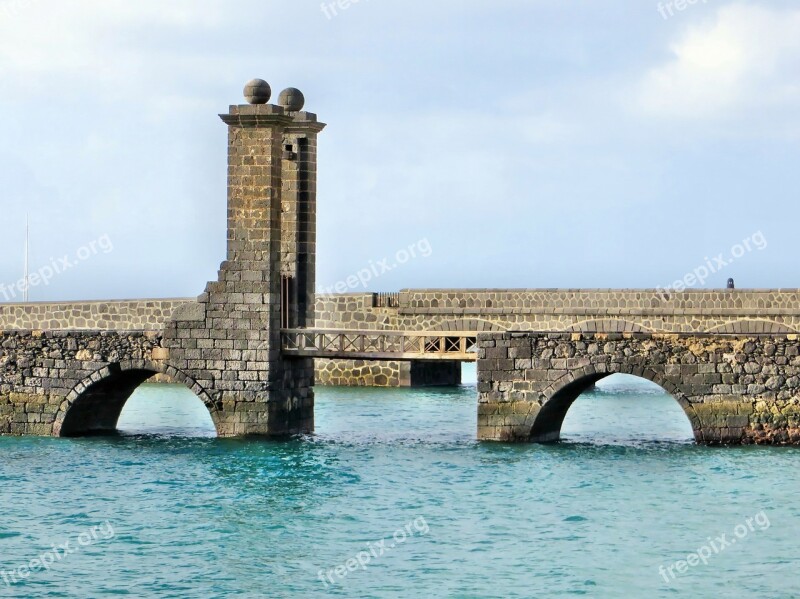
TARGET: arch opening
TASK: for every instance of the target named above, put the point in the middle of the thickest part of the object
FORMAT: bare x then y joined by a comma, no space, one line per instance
614,409
165,409
98,409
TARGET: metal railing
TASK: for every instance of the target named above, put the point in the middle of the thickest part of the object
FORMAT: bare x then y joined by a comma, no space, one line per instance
380,345
386,300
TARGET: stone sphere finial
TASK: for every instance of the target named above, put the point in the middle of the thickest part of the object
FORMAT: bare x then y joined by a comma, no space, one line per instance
292,99
257,91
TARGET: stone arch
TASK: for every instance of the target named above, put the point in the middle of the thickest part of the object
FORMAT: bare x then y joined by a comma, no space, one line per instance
562,393
751,326
94,405
468,325
607,325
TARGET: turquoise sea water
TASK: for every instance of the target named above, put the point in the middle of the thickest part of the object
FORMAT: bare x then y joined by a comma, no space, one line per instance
395,478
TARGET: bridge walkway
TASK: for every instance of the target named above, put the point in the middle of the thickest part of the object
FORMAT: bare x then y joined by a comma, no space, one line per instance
459,346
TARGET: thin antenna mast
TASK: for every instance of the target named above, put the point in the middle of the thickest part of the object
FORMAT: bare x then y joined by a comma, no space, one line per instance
27,281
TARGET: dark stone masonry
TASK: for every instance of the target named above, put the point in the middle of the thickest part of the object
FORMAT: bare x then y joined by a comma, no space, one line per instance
373,373
729,357
601,310
734,389
133,315
69,383
61,375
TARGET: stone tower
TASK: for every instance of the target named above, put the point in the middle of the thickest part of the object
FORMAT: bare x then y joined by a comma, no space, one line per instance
229,341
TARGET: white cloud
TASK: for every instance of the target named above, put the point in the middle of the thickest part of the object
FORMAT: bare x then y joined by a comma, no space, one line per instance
742,63
54,38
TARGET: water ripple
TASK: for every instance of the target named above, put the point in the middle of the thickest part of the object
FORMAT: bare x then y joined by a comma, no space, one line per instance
595,515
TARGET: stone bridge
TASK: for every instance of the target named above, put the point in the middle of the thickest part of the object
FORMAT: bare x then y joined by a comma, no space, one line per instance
66,383
247,345
567,310
733,388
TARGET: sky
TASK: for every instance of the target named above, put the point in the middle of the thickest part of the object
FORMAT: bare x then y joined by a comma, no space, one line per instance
480,144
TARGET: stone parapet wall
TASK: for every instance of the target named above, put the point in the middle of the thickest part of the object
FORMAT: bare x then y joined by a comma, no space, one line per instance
734,389
606,310
593,301
602,310
617,311
353,311
123,315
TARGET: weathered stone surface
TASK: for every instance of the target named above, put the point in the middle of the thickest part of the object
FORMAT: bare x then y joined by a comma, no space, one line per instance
367,373
190,312
43,374
134,315
753,405
359,373
577,310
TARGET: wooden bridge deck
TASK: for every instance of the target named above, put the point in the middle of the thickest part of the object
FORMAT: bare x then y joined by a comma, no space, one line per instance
380,345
